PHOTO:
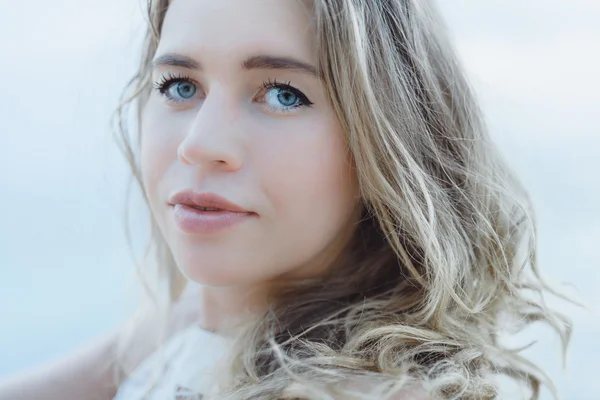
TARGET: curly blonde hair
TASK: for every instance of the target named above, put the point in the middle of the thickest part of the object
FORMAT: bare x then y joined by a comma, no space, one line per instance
443,262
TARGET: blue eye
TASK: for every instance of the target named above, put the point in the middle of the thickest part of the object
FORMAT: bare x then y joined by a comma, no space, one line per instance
283,97
185,90
176,88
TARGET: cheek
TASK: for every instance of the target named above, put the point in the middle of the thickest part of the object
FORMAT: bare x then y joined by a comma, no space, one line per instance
312,183
320,165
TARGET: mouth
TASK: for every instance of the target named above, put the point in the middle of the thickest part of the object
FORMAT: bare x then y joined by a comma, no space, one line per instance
205,220
206,202
204,208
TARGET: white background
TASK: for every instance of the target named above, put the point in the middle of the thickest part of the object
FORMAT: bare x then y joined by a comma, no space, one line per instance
65,270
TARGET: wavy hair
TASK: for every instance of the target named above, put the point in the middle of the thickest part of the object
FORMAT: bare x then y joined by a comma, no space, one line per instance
443,262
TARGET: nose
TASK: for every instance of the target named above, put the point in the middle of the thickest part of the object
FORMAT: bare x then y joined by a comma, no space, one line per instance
213,140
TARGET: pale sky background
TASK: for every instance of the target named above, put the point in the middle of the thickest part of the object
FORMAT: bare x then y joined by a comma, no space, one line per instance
65,271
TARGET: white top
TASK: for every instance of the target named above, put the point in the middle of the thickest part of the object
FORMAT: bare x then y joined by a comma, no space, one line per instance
181,370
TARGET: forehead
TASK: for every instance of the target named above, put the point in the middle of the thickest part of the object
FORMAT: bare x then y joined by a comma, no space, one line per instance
238,28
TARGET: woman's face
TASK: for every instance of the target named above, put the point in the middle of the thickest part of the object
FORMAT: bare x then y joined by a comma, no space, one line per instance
238,112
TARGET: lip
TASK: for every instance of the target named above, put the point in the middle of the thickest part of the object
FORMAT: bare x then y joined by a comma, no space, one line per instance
195,221
208,200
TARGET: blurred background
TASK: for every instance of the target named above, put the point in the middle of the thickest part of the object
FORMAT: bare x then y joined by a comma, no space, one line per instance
66,273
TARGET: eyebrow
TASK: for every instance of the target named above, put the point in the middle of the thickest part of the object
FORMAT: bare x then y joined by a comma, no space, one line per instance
253,62
176,60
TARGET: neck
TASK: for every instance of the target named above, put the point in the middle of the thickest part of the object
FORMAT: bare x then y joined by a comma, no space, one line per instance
223,309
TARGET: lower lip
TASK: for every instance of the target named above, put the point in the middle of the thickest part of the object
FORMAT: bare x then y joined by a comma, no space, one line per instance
192,220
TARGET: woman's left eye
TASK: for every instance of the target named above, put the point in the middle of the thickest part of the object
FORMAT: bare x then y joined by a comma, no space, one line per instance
282,97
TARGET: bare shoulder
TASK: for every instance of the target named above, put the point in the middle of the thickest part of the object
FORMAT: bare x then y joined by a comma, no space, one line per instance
84,373
88,371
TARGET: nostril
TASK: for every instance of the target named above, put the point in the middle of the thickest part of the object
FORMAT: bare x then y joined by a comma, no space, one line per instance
182,157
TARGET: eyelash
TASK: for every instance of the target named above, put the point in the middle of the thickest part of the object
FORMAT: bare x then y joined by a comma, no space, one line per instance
273,84
165,82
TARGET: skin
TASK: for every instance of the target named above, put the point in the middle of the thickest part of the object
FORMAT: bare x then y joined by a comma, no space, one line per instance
231,138
221,131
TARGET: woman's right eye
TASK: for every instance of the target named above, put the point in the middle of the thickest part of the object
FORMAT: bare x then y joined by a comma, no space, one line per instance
176,88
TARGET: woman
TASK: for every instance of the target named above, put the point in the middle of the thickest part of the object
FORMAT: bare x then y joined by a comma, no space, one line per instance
328,213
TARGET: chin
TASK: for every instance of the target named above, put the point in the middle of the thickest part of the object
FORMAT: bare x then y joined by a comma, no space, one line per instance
216,274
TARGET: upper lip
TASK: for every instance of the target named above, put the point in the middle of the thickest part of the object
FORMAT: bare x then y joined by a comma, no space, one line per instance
207,200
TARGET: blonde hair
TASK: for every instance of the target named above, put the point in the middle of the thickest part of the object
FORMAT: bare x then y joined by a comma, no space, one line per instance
443,263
